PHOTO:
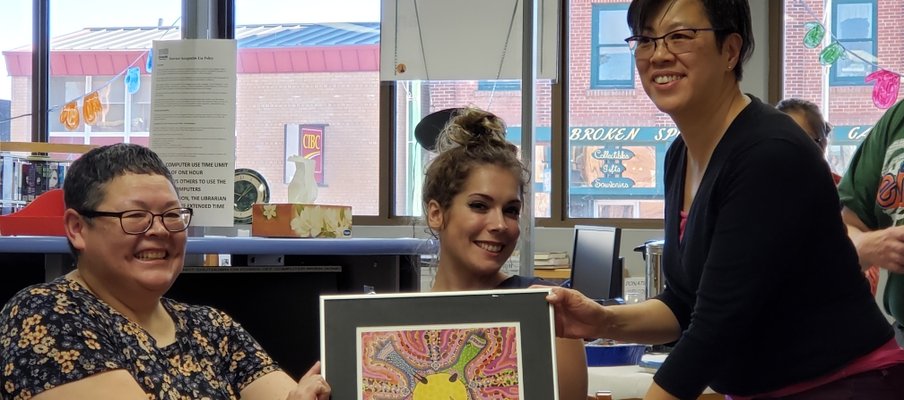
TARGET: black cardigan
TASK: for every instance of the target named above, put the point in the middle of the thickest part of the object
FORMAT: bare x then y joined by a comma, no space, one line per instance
765,284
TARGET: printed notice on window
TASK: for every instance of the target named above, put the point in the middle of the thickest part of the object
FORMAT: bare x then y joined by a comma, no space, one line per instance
193,123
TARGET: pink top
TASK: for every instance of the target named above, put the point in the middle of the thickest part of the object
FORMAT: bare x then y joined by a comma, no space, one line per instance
885,356
681,225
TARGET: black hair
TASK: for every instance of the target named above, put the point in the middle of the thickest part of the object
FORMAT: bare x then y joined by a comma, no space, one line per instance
84,185
811,113
726,16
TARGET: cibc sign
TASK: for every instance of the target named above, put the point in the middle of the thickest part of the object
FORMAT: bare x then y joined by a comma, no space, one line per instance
312,148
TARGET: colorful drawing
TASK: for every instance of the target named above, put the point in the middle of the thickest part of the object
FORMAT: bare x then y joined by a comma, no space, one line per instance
456,363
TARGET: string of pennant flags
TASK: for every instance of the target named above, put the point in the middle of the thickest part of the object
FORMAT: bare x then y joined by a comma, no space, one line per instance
92,105
887,83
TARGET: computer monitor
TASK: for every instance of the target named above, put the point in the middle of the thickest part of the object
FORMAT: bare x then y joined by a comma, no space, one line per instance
596,269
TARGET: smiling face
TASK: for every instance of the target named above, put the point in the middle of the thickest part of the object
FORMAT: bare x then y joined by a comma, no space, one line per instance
479,230
145,264
687,82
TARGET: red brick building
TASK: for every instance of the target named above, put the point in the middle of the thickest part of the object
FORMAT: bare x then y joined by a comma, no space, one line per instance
323,79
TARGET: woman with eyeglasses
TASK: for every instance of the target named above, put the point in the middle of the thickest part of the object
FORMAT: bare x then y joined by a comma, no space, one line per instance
807,115
104,330
764,297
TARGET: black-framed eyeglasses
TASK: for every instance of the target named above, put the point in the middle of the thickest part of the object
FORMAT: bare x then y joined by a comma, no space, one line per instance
136,222
679,41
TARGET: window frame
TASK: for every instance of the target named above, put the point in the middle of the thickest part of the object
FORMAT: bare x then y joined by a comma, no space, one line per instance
86,132
500,85
387,128
595,82
834,79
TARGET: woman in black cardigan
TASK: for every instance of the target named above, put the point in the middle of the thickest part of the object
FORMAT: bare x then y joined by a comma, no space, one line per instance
764,296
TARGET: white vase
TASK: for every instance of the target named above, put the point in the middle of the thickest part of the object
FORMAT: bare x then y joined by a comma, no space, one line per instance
303,187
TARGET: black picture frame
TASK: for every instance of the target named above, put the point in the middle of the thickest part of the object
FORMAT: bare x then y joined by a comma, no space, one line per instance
511,330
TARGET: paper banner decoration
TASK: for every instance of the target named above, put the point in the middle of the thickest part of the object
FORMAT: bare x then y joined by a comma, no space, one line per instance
150,64
885,90
91,108
132,80
815,33
887,83
831,53
69,116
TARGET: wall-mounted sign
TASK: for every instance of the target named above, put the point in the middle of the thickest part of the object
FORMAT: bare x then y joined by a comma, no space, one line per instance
611,161
849,134
193,123
612,168
305,140
616,154
597,135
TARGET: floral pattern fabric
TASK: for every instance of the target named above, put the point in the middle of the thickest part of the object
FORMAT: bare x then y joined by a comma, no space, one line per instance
59,332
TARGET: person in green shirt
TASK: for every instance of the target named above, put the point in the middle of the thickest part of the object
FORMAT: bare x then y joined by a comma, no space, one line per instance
872,193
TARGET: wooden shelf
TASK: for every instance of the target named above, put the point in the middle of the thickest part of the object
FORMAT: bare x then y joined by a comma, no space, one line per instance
558,273
32,147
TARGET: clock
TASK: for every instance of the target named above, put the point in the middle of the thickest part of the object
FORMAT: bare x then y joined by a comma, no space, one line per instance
250,188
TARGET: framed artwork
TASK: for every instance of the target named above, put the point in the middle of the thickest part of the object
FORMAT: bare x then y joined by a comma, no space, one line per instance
472,345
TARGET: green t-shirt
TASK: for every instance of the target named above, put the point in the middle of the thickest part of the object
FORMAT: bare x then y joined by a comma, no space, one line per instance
873,188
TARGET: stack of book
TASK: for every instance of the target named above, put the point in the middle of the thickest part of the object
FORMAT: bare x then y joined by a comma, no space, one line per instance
551,260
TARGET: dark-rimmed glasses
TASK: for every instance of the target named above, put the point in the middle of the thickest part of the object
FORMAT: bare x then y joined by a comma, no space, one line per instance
137,222
679,41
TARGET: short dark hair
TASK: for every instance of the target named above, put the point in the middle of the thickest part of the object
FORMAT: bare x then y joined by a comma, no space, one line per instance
811,113
726,16
83,188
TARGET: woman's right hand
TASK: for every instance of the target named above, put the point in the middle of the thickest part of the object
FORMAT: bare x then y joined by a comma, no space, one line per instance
312,386
577,316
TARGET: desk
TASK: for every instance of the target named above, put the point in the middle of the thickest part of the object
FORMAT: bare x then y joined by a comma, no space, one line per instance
628,382
42,258
272,287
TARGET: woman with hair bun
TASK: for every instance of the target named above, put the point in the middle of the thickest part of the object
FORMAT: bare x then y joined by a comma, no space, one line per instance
473,193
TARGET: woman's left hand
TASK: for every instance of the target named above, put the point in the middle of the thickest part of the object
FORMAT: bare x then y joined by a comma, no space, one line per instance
312,386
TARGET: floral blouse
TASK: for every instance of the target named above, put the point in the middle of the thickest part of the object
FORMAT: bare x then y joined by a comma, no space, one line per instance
59,332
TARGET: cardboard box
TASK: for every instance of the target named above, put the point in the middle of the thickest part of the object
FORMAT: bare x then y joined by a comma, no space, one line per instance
301,220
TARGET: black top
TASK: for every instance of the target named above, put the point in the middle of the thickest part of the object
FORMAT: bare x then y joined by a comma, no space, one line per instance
765,284
521,282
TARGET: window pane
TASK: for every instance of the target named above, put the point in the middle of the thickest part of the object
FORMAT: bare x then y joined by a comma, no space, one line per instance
612,63
616,138
853,64
866,31
854,21
299,70
112,94
15,83
613,28
141,109
417,99
61,89
91,51
615,64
